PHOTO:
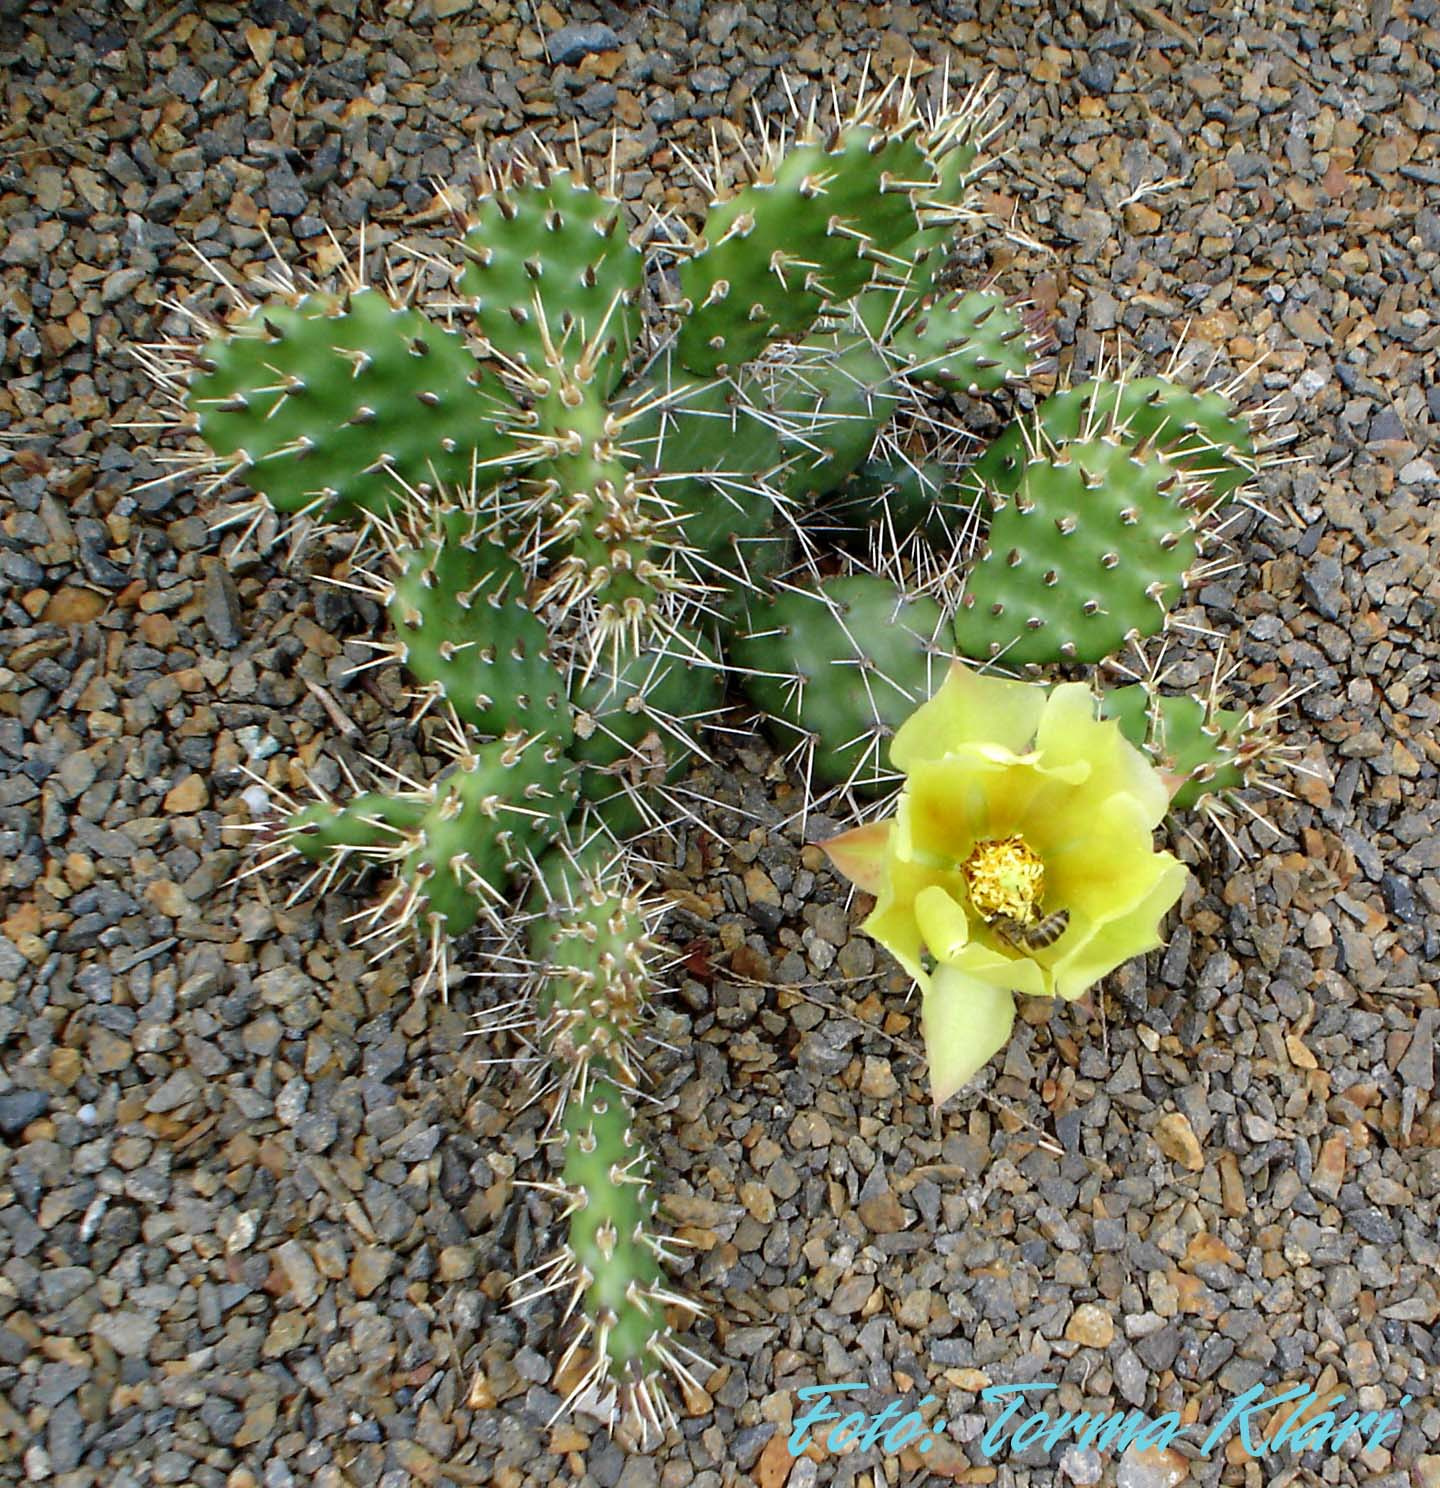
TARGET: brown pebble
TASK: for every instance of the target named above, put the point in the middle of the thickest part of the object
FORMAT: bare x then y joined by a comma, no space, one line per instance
188,797
368,1269
1177,1140
1090,1325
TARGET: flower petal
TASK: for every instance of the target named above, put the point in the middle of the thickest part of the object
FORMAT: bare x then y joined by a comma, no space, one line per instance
892,921
950,804
1069,732
860,854
1133,929
1100,861
965,1023
969,708
1022,974
942,923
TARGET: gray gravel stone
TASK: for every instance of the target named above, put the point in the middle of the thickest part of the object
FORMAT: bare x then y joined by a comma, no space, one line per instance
12,961
572,43
1417,1065
222,607
18,1108
128,1333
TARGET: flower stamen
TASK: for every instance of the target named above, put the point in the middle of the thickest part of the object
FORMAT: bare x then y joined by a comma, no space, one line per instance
1006,879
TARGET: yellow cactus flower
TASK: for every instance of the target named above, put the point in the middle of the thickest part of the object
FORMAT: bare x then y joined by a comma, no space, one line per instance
1020,858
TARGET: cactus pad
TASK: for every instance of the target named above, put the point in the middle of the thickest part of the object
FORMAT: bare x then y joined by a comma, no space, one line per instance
457,844
714,449
587,942
972,343
324,402
839,393
635,730
1202,749
901,499
1091,550
369,825
808,231
550,249
458,603
1198,431
842,667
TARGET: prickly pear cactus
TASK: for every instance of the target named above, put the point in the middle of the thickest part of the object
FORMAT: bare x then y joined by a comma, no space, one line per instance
589,509
327,403
838,668
1089,551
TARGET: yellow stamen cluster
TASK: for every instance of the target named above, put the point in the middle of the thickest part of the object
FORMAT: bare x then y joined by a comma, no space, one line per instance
1005,877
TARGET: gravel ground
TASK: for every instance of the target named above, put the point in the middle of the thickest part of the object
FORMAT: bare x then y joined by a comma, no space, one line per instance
256,1205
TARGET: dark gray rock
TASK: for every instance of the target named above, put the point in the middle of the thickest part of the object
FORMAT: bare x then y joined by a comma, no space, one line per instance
1417,1064
1323,585
18,1108
222,607
571,43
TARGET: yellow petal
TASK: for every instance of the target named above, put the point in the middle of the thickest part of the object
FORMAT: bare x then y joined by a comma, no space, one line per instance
941,922
969,708
950,804
1022,974
860,854
1130,931
1069,733
892,921
965,1023
1099,859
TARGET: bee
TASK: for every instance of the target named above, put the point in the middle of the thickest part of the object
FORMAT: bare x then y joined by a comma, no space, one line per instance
1022,937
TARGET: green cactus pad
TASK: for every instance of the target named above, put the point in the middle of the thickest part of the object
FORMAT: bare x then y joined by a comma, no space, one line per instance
807,233
887,302
901,498
1193,744
713,450
837,393
324,398
458,603
972,343
369,824
551,240
1198,431
843,665
587,941
504,802
606,1164
1089,551
458,844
